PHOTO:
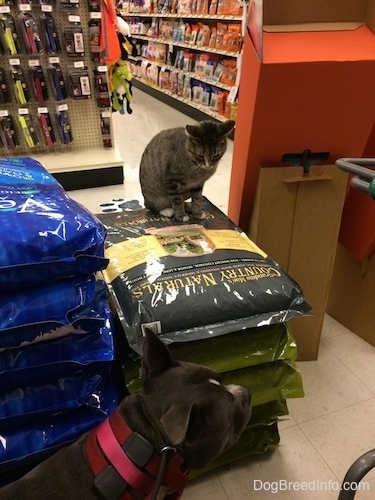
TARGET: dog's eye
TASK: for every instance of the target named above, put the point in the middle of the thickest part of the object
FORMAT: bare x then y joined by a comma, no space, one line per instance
214,381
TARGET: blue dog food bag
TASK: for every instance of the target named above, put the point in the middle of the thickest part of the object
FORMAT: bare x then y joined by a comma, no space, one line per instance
68,306
44,233
25,444
37,363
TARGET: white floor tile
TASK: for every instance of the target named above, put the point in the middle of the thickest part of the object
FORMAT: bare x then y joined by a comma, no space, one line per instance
328,385
205,488
356,354
332,328
294,461
343,436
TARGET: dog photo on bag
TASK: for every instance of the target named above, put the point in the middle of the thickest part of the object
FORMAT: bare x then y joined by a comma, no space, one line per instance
182,419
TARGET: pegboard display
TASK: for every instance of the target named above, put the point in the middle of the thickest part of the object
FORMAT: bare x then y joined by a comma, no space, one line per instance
82,120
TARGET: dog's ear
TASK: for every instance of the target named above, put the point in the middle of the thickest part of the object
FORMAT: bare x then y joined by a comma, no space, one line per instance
185,423
156,356
176,422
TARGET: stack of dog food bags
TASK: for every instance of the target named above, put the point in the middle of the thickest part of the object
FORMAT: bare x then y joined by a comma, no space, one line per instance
56,333
216,299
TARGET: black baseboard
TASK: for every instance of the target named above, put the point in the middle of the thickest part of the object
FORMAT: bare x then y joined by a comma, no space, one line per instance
83,179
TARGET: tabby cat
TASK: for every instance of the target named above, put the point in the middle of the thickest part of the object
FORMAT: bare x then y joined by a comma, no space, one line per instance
177,162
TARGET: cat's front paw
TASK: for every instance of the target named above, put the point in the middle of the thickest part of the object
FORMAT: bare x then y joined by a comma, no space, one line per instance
201,214
182,218
167,212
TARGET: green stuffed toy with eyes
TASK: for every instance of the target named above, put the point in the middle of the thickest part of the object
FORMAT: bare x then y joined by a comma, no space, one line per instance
121,87
119,73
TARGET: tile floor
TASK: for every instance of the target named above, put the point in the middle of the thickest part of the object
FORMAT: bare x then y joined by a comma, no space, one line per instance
327,429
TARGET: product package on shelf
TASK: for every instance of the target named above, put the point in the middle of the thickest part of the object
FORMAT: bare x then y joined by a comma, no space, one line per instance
9,137
57,354
49,51
27,127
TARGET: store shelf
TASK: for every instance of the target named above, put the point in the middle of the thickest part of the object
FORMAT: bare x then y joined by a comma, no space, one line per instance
158,52
168,67
81,159
85,168
189,108
183,16
199,48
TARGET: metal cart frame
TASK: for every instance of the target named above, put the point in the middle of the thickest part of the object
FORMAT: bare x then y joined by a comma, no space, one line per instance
364,180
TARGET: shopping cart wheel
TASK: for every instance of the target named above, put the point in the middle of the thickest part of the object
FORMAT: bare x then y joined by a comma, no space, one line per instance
355,473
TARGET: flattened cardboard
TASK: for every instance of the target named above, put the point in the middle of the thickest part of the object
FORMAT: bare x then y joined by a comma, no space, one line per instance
357,232
351,299
279,28
296,221
296,12
329,46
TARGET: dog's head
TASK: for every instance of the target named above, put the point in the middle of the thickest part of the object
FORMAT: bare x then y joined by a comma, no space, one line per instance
197,413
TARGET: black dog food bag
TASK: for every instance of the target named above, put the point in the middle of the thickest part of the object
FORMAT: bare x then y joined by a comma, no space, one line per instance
193,280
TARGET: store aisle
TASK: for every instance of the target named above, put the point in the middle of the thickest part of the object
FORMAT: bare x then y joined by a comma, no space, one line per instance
329,428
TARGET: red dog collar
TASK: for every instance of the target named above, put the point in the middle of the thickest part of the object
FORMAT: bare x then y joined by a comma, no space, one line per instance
120,458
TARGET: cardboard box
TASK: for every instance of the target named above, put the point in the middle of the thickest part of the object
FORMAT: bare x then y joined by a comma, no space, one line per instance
351,299
311,90
296,220
317,15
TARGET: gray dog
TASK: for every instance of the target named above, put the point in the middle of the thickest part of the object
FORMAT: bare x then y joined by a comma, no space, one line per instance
182,419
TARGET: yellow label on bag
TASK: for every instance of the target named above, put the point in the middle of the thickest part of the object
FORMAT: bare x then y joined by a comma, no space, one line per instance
183,242
131,253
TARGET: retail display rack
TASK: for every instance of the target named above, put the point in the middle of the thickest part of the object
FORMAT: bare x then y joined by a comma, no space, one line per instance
54,97
188,54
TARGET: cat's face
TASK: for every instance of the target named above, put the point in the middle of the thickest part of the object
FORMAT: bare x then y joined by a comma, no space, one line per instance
207,142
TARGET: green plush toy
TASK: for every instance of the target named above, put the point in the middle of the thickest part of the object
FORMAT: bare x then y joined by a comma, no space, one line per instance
121,87
119,73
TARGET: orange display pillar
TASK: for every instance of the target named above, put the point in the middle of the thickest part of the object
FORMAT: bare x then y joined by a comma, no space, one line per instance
312,90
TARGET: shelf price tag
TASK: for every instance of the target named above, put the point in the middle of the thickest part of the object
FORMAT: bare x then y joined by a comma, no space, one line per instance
74,19
232,94
23,7
62,107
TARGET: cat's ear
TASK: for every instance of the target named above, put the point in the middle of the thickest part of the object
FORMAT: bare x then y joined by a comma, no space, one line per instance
227,126
193,131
